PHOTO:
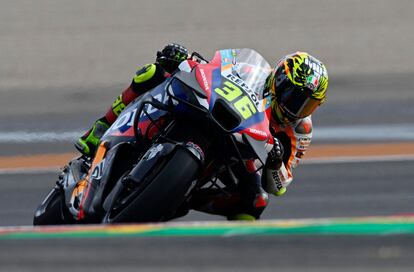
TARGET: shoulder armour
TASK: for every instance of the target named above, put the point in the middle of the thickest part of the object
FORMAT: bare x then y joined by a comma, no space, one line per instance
145,73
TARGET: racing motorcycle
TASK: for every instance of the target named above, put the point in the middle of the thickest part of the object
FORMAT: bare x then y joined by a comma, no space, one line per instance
186,134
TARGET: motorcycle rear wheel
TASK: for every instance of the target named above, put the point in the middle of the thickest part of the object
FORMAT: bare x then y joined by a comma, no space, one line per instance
50,211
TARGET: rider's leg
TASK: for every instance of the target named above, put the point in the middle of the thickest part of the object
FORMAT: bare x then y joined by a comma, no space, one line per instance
244,202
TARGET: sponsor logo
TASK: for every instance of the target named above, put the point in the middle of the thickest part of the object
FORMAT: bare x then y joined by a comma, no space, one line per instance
314,66
125,121
304,142
239,82
204,78
277,180
312,82
98,170
234,55
153,151
258,132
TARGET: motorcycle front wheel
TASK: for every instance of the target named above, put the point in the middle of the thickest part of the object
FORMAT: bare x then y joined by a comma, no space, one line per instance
162,195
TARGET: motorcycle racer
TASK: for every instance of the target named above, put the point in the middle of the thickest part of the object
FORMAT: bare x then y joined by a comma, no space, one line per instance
297,86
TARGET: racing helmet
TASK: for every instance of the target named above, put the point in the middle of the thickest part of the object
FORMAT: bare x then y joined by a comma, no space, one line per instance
298,86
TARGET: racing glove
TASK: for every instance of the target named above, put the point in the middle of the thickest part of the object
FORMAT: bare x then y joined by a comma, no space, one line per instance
270,179
275,156
88,143
171,56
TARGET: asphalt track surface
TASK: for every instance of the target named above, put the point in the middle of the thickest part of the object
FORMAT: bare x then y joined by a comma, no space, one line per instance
248,253
63,63
323,190
319,191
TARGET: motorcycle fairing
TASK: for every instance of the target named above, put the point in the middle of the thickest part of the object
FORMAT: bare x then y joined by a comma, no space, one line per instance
222,78
123,127
215,79
91,182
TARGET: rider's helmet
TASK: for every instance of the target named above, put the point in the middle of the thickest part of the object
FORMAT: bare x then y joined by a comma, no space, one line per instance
298,85
171,56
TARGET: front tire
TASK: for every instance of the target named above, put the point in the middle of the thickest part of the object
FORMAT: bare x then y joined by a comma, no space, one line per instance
163,195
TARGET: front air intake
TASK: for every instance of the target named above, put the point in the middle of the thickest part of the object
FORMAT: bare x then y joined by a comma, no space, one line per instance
225,116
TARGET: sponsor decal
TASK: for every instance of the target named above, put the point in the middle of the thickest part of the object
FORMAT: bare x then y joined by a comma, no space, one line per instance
304,142
125,121
153,151
302,146
314,66
234,54
277,179
118,106
231,92
312,82
258,132
239,82
98,170
204,78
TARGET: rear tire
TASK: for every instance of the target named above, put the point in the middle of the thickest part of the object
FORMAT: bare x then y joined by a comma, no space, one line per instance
50,211
163,195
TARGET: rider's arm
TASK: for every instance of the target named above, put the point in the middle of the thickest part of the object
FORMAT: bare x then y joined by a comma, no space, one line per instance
276,177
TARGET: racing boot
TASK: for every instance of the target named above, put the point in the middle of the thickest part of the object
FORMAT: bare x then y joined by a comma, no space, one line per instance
232,205
241,217
252,208
88,143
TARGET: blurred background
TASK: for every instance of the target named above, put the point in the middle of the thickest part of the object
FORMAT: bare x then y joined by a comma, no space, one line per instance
60,58
62,63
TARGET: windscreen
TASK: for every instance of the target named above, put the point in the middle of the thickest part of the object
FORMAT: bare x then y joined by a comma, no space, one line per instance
248,65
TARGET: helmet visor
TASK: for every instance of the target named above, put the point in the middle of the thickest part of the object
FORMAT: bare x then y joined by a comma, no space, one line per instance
296,104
